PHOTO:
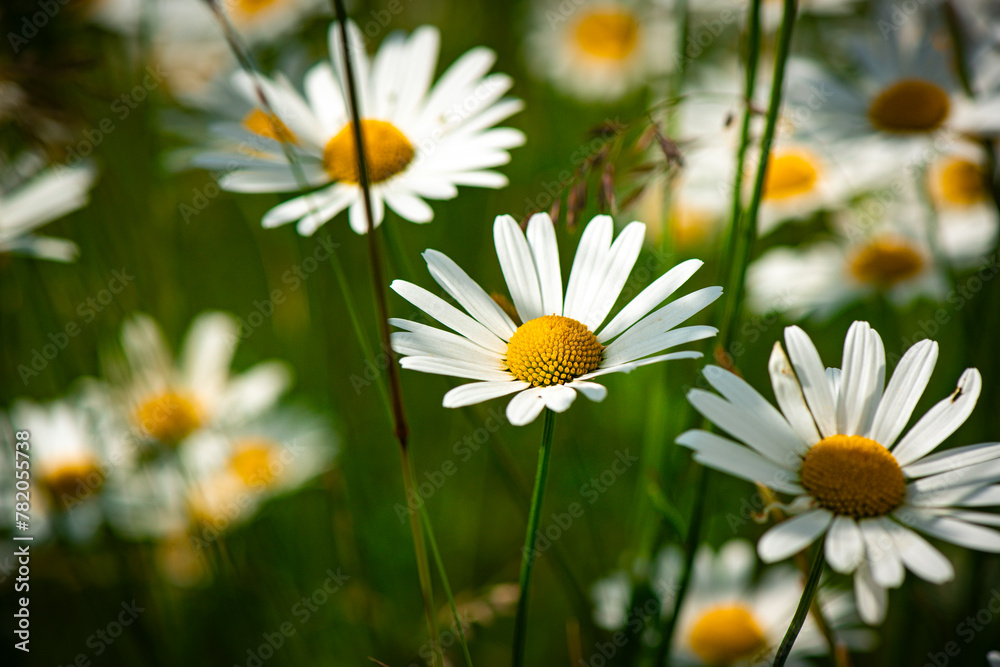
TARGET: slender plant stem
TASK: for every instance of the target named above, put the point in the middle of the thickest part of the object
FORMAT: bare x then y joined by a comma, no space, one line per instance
690,547
528,553
734,236
423,569
382,307
749,223
426,520
812,583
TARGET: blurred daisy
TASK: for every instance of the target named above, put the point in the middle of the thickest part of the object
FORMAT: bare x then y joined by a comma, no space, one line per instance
29,198
835,446
166,402
422,142
907,93
600,49
65,464
557,345
966,216
727,618
821,278
236,471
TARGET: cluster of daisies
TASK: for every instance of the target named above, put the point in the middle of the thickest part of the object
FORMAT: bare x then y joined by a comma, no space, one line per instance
878,178
173,451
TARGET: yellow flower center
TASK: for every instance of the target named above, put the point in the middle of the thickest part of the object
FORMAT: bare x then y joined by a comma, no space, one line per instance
853,476
727,634
388,151
269,126
552,350
909,105
885,262
255,462
609,33
73,482
961,182
690,225
169,417
790,174
247,8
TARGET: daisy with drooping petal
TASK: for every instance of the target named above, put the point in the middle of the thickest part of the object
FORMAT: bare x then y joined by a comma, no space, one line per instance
835,445
166,402
558,345
421,141
821,278
29,199
598,50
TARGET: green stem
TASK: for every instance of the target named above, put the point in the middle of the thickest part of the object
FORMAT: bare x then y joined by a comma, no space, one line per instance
750,220
690,547
812,583
528,553
423,569
426,519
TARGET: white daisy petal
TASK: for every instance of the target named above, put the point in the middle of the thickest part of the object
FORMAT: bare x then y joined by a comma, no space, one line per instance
953,459
905,388
812,377
471,296
478,392
717,452
593,391
558,397
454,368
955,531
845,546
408,206
649,298
793,535
882,555
545,252
781,447
934,490
589,266
739,392
525,407
449,316
940,421
985,518
208,352
872,599
632,365
446,345
863,374
621,258
518,268
920,557
788,393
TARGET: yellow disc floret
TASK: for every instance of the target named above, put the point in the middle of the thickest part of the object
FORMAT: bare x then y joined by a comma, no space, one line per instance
552,350
725,635
73,481
268,126
168,417
790,174
255,462
609,33
909,105
885,262
388,150
961,182
853,476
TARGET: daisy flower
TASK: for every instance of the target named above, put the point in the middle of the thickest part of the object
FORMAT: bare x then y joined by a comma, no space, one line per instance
835,445
422,141
29,198
728,618
966,217
821,278
557,345
906,94
164,402
598,50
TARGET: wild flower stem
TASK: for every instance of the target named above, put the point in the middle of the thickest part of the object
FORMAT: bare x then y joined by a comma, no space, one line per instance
808,593
528,553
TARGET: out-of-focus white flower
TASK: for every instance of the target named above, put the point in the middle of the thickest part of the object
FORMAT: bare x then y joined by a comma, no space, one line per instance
598,50
29,198
967,223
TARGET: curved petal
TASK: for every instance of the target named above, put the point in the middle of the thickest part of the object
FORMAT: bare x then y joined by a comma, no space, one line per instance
558,397
592,390
478,392
905,388
793,535
518,267
525,407
940,421
448,315
649,298
589,267
545,252
920,557
620,260
844,545
812,377
470,295
861,388
788,393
